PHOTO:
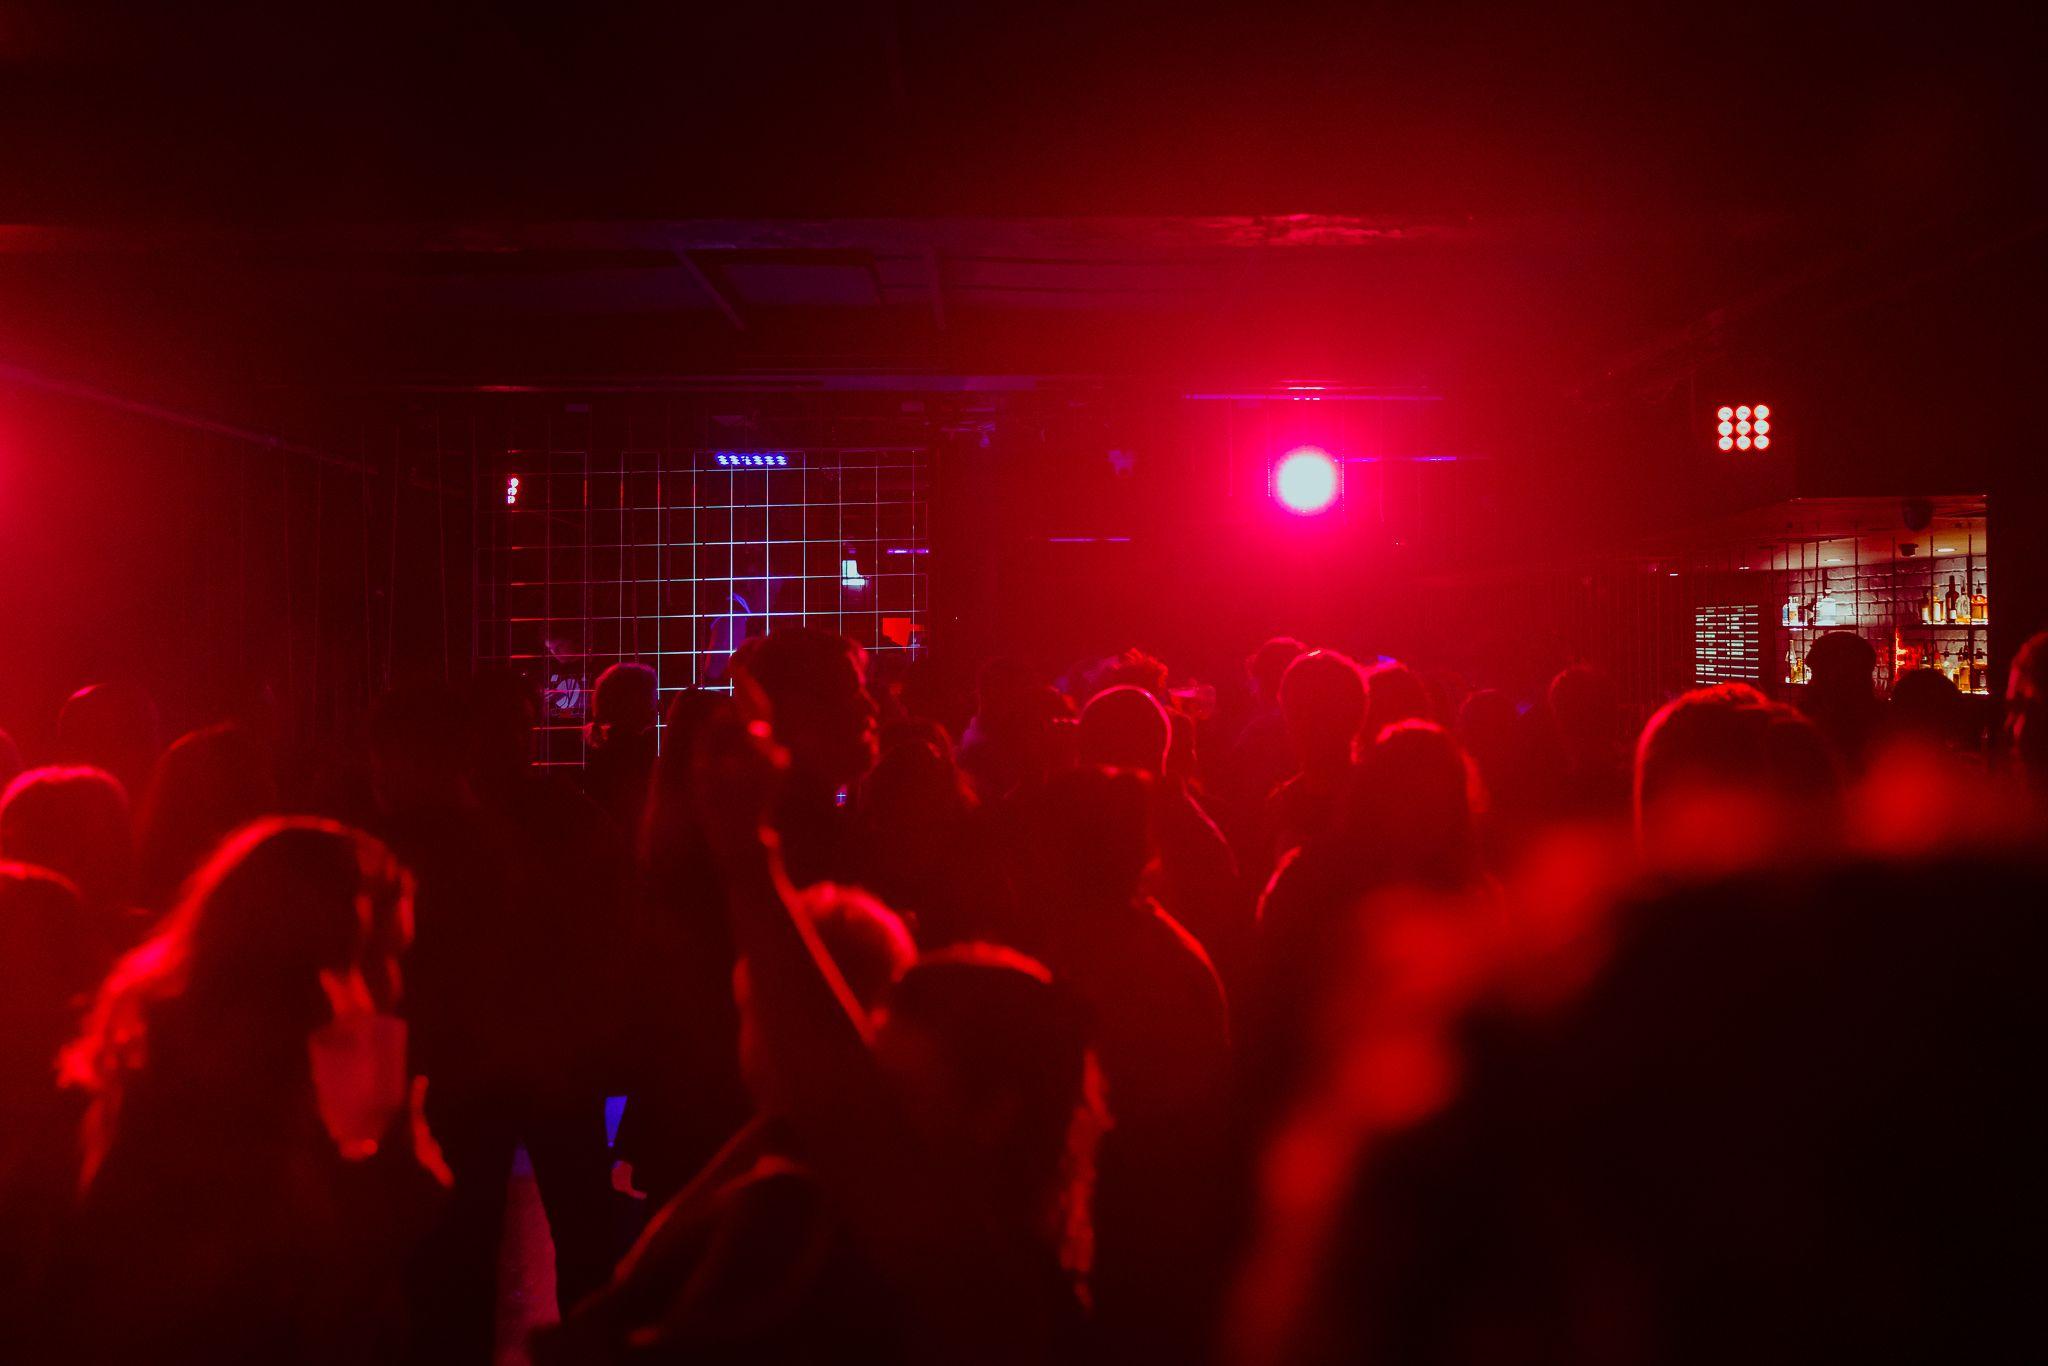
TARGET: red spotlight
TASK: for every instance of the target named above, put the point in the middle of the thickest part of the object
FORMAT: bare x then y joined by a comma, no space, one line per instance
1306,481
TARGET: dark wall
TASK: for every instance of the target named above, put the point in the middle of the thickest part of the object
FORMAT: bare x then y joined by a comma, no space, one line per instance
222,575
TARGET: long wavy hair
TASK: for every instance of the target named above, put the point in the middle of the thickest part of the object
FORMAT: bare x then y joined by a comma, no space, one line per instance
239,960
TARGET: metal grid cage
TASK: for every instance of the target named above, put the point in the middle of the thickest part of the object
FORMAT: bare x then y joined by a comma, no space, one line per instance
672,557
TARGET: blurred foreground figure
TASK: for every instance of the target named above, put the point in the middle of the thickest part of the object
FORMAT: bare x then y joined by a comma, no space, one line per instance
1787,1124
1773,1105
254,1159
51,959
2026,711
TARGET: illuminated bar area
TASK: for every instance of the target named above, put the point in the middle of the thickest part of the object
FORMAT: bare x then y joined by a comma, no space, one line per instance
1911,576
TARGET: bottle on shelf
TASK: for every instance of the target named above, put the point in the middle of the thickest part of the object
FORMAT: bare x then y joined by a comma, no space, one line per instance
1963,675
1979,604
1982,669
1927,606
1949,601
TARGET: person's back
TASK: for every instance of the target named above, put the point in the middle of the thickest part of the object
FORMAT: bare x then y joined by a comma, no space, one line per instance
50,961
521,959
1196,876
206,785
1783,1123
1163,1031
254,1172
619,768
74,821
1323,700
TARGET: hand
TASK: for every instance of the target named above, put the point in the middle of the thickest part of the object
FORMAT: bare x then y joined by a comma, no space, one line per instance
358,1064
738,769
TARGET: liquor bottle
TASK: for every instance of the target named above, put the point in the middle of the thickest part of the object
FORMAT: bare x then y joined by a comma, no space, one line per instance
1983,670
1950,601
1980,605
1927,606
1963,669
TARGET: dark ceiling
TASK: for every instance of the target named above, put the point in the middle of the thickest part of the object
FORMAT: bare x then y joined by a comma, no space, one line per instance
1517,199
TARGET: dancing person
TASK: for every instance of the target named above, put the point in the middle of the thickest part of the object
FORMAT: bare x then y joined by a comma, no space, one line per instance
255,1161
620,742
1164,1033
954,1134
751,1255
1196,877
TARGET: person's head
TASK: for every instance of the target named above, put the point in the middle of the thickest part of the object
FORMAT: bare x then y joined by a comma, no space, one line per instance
815,682
2026,707
1487,724
1840,664
867,944
73,821
206,784
627,700
1265,667
1125,727
993,1065
916,780
1584,711
1928,709
1133,668
1727,746
419,749
1322,701
288,916
112,726
1091,833
503,707
1393,693
1414,797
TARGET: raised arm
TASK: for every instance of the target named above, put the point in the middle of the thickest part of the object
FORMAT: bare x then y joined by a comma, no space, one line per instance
815,1033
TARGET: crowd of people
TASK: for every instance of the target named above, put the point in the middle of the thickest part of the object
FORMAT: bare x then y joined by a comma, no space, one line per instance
1360,1015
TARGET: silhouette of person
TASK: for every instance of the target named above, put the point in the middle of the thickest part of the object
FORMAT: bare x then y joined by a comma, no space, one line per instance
2026,710
814,684
751,1252
619,763
1592,778
51,959
1164,1035
255,1158
110,726
74,821
206,785
1323,702
1196,877
1839,696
